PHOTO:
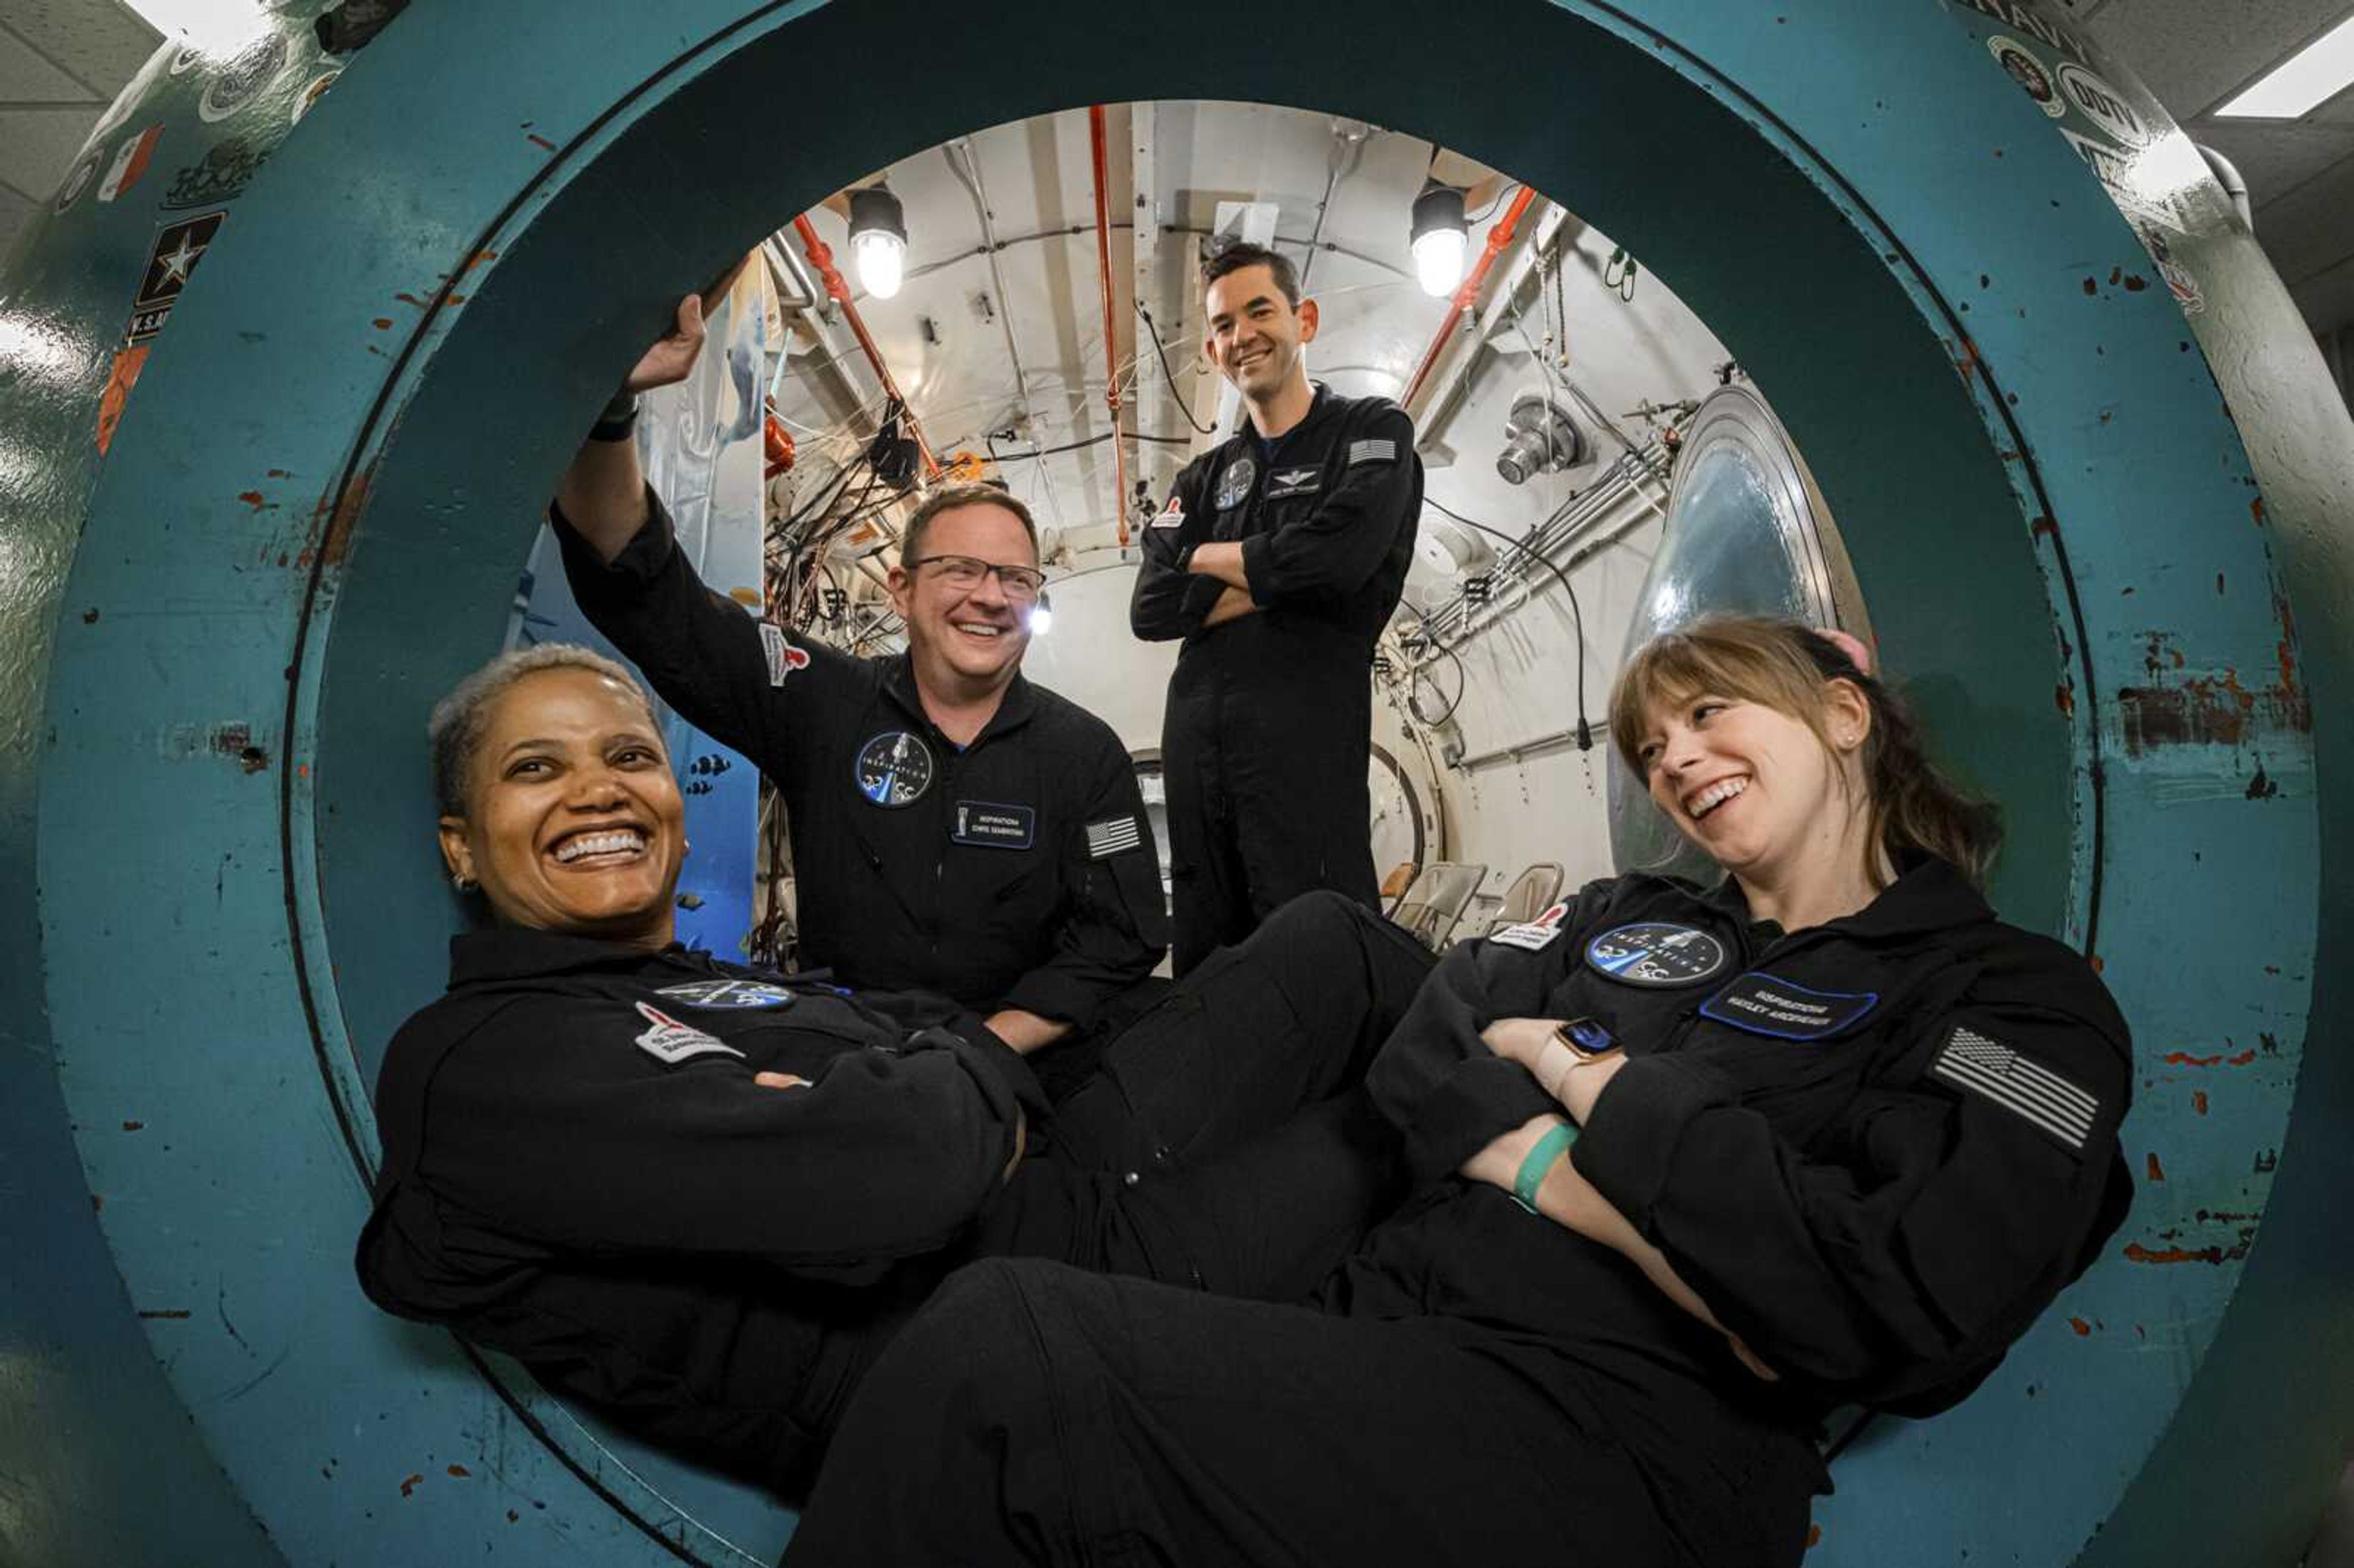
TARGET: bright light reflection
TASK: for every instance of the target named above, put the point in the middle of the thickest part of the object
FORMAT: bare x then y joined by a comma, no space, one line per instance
881,261
1438,259
1041,622
221,28
2320,71
33,349
2165,170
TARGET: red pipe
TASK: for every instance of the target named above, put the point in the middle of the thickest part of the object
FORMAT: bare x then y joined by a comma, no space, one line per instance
821,258
1468,294
1111,335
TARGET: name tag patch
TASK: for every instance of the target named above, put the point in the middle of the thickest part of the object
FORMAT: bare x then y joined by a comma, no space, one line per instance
1379,448
669,1042
993,826
1534,935
1235,482
734,994
1170,517
1116,836
783,657
1283,481
1761,1004
1657,953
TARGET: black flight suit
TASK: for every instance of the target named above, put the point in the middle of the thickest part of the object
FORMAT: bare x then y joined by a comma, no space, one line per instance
1017,872
1269,723
1877,1148
579,1170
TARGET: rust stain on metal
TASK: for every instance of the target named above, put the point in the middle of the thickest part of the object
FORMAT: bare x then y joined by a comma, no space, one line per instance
1814,1536
382,323
461,1472
2044,526
415,1480
134,1126
2083,1330
2136,282
540,141
2256,510
2184,1059
2207,710
456,298
2137,1253
2156,1171
2064,697
410,298
331,545
478,259
252,498
89,616
2199,1102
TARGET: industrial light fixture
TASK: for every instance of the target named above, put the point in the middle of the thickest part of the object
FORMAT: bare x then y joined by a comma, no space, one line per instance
1440,236
2322,69
878,240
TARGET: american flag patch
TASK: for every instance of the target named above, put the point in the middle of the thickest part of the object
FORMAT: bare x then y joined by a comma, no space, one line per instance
2021,1086
1378,449
1116,836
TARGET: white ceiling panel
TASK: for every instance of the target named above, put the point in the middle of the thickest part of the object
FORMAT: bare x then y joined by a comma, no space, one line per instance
41,144
100,42
15,217
28,76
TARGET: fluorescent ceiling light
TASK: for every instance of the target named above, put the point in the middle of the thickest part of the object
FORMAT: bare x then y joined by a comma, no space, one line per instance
213,26
2320,71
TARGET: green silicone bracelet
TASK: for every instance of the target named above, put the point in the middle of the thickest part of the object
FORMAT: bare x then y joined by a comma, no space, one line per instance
1549,1148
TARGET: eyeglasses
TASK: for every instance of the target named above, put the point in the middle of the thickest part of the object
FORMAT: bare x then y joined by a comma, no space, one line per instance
965,572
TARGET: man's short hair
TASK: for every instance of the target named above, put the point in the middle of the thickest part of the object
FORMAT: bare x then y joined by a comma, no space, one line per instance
1242,253
975,494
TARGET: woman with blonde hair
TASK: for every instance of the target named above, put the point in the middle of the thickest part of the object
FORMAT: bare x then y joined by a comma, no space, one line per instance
1692,1168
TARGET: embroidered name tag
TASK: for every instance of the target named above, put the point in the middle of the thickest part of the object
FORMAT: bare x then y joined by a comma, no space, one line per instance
1535,934
1170,517
735,994
1379,448
671,1042
783,657
1657,953
993,826
1285,482
1761,1004
1116,836
2052,1104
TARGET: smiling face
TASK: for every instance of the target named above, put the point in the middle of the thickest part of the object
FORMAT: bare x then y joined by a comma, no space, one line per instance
1254,334
1759,790
966,640
573,823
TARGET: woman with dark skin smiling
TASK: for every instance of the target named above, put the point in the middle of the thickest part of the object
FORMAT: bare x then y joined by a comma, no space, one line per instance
700,1196
1692,1168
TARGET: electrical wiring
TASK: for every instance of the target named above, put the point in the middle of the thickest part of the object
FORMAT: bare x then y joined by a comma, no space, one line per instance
1462,684
1577,613
1153,331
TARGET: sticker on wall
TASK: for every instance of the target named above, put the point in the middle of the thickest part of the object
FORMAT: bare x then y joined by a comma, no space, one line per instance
310,94
78,179
243,79
222,174
131,161
2029,73
2137,200
177,250
120,379
184,56
2104,105
2179,281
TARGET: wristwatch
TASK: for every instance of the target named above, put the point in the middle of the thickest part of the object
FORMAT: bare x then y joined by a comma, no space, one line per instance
1586,1039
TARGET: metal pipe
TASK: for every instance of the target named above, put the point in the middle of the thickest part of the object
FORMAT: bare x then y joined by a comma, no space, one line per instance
965,165
1513,753
1465,297
1144,251
821,258
1111,322
1449,395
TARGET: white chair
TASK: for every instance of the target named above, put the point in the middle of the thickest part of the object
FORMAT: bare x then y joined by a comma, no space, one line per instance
1435,902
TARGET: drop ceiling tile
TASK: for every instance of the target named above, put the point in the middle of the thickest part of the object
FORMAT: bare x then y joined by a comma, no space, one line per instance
2275,159
2326,298
96,41
2195,53
15,217
2306,230
26,76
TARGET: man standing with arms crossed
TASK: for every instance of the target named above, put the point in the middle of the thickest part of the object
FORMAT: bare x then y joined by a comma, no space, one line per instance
1279,558
955,829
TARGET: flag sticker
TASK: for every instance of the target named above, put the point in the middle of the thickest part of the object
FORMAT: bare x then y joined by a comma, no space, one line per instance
1116,836
2021,1086
1379,448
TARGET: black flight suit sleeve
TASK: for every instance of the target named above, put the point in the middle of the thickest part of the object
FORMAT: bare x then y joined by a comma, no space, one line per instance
1436,1079
1114,926
1331,551
702,652
1170,601
1900,1254
593,1146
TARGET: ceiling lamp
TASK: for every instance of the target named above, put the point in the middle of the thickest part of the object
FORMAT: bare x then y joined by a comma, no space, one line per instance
878,240
1440,237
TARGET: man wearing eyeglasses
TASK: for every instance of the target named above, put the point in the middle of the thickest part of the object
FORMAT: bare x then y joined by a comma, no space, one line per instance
955,829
